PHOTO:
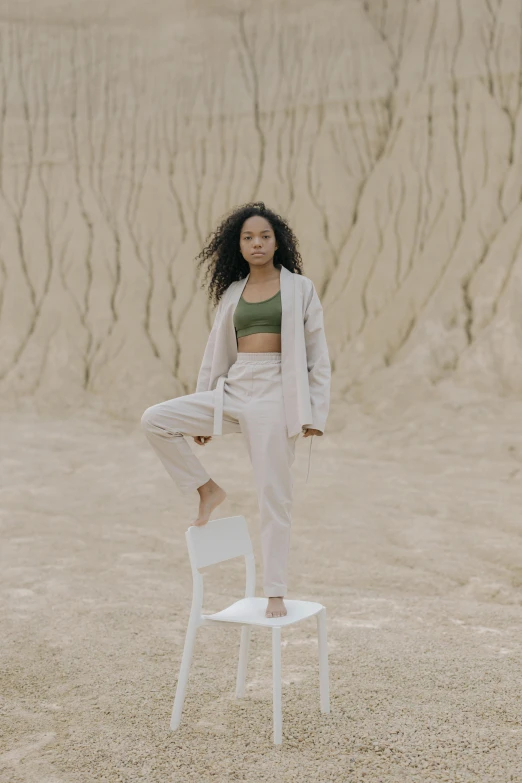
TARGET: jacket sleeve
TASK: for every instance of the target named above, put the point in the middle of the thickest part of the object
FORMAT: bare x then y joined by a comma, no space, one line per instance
206,363
318,361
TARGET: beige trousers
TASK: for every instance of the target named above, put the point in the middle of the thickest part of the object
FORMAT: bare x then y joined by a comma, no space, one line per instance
252,400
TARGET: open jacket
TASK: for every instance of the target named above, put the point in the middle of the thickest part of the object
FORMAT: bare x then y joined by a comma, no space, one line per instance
305,362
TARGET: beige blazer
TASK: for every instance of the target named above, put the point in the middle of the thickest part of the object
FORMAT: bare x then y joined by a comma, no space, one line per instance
305,362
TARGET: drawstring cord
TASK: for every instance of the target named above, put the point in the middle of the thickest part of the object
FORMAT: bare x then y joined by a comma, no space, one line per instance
309,458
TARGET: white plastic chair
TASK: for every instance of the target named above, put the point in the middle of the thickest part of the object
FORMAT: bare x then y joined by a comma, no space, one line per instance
215,542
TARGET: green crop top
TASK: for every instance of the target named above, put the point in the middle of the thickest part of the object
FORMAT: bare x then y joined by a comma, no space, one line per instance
252,317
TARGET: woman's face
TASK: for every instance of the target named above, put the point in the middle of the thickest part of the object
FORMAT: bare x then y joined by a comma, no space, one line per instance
257,241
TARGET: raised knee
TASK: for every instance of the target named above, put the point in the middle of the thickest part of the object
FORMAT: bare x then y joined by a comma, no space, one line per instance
154,419
147,419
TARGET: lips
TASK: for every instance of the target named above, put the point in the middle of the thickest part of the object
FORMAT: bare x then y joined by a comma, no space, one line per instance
258,254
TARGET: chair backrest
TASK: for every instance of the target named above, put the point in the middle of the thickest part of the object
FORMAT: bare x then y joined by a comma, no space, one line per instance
218,540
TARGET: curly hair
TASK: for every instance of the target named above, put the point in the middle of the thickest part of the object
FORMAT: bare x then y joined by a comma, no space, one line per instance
226,264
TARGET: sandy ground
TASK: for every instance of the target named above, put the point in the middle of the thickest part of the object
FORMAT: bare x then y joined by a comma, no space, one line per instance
408,531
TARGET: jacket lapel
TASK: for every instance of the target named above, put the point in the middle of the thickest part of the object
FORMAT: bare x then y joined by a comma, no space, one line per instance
287,312
228,321
288,344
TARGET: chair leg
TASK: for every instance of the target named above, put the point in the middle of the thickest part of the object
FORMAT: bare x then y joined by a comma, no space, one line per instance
276,678
183,673
244,646
324,687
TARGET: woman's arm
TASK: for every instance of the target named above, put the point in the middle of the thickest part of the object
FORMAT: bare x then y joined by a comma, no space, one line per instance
318,360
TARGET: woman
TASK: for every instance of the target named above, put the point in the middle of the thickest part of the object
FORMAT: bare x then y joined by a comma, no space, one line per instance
265,372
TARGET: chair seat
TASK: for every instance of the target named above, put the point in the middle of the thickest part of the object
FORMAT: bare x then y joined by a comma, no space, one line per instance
251,611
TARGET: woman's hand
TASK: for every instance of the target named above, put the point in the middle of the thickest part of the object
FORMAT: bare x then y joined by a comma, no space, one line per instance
309,431
201,440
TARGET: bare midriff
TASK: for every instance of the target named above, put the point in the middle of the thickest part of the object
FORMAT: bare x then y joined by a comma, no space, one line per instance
261,342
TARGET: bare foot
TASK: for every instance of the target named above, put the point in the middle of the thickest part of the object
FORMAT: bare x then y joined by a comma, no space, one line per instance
210,496
276,607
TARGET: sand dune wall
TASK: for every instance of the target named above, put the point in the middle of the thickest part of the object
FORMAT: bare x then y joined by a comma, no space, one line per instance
388,134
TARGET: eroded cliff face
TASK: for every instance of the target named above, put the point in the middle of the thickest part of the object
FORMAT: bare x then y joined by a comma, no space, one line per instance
388,133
